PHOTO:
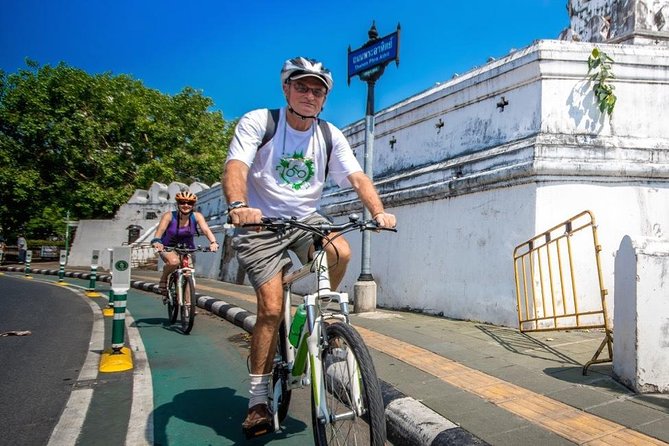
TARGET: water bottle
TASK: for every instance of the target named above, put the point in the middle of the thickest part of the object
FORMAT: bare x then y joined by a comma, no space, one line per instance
296,325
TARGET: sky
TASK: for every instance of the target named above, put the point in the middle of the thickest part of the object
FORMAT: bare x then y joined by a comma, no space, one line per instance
233,51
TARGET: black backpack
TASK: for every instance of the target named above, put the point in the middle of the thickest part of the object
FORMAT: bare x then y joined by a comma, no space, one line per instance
270,130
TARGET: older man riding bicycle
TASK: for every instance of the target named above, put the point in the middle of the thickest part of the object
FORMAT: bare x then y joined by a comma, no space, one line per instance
284,177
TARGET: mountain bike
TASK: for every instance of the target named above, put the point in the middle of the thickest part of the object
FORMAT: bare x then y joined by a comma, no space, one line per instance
328,354
181,301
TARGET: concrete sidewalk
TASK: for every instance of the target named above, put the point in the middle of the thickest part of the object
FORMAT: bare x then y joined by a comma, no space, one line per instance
497,385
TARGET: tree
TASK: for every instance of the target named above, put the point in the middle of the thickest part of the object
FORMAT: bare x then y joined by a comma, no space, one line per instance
70,141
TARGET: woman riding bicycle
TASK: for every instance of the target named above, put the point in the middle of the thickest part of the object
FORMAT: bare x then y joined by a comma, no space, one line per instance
179,228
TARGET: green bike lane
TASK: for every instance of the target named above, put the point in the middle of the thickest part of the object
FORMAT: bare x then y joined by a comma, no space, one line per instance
199,382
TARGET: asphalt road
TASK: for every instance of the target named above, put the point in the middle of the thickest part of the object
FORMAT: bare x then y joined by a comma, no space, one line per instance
38,369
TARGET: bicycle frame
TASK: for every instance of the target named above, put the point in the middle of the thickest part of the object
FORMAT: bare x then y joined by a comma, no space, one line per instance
310,340
182,272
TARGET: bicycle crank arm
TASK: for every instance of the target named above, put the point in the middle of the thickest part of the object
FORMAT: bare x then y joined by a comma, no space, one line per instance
275,405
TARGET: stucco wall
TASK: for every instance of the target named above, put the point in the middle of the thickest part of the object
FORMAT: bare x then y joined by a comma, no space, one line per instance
467,193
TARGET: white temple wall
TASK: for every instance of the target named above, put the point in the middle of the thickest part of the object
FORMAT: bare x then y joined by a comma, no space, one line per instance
467,193
451,256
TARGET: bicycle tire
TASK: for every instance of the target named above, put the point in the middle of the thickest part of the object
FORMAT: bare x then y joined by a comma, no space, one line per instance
278,370
189,305
369,427
172,303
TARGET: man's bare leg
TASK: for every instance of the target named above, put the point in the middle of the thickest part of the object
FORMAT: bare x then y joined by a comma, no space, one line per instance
263,346
338,254
265,331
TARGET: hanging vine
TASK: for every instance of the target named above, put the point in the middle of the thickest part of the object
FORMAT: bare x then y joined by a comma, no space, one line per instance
599,64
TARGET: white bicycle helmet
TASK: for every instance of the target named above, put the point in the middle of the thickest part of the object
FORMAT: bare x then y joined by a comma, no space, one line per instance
300,67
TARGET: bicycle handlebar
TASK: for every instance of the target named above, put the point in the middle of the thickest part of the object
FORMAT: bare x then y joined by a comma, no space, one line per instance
279,224
184,250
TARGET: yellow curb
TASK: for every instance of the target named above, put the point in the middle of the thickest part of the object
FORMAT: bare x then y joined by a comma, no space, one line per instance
111,361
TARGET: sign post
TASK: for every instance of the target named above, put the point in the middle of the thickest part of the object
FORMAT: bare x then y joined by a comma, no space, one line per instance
29,257
119,357
91,292
68,223
109,311
369,62
61,268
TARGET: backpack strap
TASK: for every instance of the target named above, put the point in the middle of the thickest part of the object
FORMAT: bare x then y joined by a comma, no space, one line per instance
270,129
327,136
193,222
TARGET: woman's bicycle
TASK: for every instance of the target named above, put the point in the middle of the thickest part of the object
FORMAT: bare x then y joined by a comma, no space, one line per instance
326,352
181,300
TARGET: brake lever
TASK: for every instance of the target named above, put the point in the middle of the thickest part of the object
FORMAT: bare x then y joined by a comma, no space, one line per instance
374,226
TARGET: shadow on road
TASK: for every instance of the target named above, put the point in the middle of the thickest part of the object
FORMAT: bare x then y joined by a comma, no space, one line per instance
220,409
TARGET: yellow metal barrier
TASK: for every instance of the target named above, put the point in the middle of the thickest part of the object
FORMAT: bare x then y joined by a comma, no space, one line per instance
547,277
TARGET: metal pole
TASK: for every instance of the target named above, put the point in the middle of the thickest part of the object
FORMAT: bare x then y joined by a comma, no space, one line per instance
67,235
366,266
369,71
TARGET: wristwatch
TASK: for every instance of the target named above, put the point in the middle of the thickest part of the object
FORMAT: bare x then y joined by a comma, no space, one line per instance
236,205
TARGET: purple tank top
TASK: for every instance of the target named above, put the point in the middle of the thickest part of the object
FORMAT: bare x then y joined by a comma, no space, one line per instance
174,235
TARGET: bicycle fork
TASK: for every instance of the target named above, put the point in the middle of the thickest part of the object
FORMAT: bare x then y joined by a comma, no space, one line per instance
328,377
183,275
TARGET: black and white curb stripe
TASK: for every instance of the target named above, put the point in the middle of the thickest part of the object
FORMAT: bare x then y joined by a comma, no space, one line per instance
408,421
55,272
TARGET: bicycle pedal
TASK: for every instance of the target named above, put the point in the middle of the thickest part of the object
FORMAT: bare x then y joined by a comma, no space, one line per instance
259,430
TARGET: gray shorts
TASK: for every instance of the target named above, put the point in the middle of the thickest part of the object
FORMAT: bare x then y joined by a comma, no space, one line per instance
264,254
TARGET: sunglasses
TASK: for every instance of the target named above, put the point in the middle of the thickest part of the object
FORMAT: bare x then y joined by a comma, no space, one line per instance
303,89
185,203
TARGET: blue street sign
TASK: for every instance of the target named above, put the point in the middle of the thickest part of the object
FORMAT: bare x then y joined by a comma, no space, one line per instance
378,53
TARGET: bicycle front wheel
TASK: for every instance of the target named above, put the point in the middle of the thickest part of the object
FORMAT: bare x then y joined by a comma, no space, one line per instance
188,305
352,392
172,299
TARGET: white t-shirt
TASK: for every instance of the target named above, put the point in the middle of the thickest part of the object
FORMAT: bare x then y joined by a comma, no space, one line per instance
286,177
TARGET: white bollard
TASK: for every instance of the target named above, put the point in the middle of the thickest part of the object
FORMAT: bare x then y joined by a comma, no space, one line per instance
641,315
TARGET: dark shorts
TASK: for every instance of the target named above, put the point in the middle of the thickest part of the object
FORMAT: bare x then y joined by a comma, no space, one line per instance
264,254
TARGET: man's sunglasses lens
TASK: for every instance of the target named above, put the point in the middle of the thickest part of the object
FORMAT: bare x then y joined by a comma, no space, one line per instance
301,88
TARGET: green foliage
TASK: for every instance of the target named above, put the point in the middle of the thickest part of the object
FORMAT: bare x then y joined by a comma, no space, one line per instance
71,141
599,64
35,244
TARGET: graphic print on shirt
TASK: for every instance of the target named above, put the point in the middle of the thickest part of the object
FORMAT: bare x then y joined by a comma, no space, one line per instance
296,170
